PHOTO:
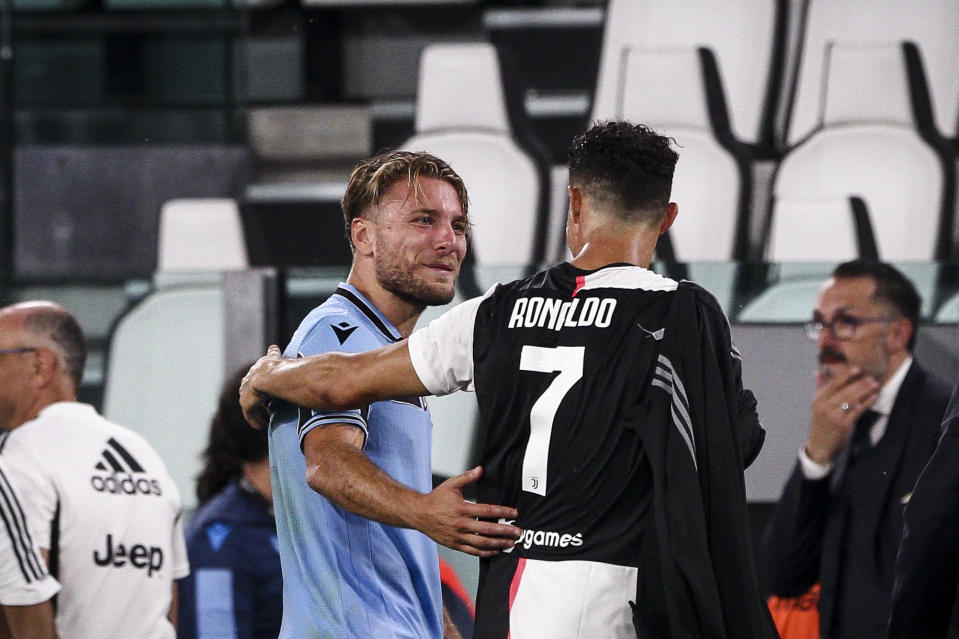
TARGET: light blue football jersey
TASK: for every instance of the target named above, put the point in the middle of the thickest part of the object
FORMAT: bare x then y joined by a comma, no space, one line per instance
346,576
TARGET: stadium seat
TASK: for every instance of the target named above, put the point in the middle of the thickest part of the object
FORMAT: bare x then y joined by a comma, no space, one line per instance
820,230
794,287
167,354
867,146
948,312
932,25
163,375
711,184
462,116
786,301
200,235
746,38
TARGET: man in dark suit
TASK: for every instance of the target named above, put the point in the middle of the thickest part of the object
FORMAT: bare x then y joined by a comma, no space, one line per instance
927,567
875,423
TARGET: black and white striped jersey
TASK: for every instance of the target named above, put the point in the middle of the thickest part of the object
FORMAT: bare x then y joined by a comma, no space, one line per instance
566,366
558,361
24,579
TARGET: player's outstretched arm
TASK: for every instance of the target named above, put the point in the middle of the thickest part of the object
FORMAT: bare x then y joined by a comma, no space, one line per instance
329,381
338,469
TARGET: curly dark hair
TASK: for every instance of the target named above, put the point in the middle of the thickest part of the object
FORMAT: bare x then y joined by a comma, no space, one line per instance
628,167
232,442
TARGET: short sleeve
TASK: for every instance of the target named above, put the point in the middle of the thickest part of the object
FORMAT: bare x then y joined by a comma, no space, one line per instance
442,351
181,563
24,580
36,487
325,336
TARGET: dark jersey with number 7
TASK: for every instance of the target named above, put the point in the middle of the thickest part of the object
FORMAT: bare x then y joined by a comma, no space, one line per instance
561,362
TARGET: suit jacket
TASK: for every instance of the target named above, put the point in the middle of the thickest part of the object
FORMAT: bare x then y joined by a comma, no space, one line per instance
806,537
927,568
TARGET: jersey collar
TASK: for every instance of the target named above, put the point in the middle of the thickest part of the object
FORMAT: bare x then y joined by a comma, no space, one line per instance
357,299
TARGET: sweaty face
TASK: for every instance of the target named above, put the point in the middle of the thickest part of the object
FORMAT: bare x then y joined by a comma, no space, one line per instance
420,241
851,300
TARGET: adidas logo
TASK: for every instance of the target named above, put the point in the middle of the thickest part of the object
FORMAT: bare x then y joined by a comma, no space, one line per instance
117,473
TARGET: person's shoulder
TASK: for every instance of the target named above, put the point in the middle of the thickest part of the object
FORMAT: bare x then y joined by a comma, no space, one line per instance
703,297
56,423
335,325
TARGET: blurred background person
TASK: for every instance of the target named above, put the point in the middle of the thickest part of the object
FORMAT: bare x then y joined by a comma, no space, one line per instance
236,587
101,505
875,423
927,565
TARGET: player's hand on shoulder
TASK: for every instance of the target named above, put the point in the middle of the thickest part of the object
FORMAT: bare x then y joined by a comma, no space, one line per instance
253,401
450,520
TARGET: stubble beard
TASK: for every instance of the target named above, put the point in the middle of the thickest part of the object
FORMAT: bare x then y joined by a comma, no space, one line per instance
406,286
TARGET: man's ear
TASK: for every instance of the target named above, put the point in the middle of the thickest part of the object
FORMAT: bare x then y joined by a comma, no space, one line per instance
575,203
46,365
669,216
361,233
900,331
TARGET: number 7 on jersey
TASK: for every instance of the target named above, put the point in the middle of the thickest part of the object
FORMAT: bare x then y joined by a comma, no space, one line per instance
568,362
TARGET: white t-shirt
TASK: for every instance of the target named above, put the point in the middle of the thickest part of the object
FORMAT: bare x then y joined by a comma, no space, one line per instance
24,579
100,499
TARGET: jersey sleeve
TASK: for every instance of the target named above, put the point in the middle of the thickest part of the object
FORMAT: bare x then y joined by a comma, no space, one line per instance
752,435
24,580
322,339
181,562
442,351
36,486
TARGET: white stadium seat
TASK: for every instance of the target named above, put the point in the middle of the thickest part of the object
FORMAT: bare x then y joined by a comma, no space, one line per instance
461,116
933,25
874,153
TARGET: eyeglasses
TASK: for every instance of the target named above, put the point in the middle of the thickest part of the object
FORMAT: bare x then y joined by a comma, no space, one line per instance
843,327
19,349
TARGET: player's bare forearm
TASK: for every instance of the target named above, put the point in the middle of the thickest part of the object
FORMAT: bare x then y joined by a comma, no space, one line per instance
339,470
30,622
329,381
